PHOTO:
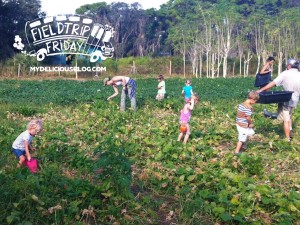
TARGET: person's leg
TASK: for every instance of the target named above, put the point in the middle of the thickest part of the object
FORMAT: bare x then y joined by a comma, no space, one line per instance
180,136
186,138
291,129
287,121
21,160
286,129
242,137
238,147
123,99
187,134
132,100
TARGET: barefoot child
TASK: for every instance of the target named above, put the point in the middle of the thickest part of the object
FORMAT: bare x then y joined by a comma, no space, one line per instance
185,118
22,145
244,122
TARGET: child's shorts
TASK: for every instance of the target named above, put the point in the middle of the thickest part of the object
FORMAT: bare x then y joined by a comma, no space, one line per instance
18,152
244,133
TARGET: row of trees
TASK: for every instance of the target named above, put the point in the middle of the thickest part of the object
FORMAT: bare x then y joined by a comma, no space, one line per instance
210,35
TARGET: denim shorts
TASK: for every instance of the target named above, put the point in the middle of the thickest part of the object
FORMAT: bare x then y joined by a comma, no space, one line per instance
18,152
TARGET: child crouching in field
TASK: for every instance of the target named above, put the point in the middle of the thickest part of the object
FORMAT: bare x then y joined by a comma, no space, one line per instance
22,145
244,122
185,117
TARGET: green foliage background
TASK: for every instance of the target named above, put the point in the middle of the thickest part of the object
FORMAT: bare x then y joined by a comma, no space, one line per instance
99,165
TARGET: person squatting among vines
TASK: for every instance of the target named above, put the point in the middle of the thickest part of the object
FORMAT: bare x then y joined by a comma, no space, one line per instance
161,88
21,147
185,116
244,123
128,88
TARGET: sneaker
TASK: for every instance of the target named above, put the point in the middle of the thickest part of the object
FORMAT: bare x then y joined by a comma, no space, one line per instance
270,115
267,114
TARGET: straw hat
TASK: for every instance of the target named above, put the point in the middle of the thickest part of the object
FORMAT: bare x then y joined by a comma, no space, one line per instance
105,80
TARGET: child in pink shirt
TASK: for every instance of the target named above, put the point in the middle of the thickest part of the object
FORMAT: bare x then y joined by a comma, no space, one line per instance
185,118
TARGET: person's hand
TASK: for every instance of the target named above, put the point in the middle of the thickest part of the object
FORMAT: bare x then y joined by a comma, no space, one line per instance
108,98
258,91
28,158
124,88
251,125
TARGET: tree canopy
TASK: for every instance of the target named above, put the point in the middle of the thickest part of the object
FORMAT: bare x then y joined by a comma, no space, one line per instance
212,29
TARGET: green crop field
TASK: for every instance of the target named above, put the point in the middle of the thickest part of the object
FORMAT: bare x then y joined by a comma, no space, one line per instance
102,166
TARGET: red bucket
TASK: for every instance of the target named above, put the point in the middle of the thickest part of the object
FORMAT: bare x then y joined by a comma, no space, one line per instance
32,165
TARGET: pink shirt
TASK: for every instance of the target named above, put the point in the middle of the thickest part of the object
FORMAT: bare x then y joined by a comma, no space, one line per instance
185,117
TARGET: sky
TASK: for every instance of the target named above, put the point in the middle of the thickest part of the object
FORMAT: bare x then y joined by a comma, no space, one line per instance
56,7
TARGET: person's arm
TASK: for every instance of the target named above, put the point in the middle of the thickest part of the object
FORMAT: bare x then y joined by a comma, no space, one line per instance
250,123
115,94
159,85
26,145
191,107
265,69
31,148
268,86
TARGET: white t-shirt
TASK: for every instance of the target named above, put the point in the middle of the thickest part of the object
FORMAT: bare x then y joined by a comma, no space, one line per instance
19,142
290,80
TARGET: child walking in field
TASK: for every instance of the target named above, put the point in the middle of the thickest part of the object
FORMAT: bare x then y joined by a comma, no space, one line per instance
161,88
185,116
22,145
187,91
244,122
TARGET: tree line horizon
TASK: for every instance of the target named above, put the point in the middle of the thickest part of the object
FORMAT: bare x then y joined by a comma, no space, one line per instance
212,37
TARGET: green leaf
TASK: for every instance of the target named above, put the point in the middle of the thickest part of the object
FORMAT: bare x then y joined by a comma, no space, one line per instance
218,210
225,217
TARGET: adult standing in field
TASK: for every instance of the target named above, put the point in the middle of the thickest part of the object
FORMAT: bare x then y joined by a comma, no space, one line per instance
266,74
128,88
290,80
266,70
161,88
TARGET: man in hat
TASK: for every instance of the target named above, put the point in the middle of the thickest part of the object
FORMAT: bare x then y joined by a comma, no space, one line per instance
290,80
128,88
